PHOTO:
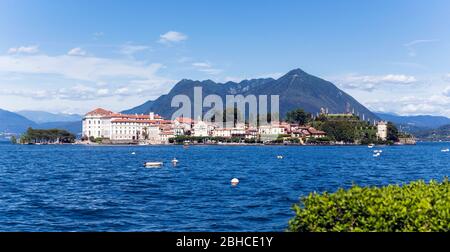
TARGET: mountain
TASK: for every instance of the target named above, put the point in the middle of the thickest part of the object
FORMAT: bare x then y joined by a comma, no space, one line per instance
441,133
74,127
415,123
14,123
11,122
46,117
297,89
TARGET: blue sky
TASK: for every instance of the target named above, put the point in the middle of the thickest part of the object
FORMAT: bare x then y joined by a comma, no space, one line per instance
72,56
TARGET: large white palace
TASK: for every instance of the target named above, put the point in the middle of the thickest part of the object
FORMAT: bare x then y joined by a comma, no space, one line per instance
153,129
101,123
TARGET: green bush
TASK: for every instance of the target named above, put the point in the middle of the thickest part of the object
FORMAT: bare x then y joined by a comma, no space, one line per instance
414,207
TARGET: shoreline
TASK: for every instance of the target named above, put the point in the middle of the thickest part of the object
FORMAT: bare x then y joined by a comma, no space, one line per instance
225,145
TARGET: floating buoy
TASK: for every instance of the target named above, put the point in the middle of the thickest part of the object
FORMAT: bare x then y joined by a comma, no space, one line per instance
234,182
153,164
280,157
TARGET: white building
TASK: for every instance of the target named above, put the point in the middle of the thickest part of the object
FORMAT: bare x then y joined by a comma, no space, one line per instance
271,130
382,130
200,129
101,123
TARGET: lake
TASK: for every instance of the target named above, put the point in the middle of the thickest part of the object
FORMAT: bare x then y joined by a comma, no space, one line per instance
106,188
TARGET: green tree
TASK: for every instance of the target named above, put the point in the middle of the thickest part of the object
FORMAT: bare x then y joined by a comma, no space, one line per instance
392,132
298,116
13,139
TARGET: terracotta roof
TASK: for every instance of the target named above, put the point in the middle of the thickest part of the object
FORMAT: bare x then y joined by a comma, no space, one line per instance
100,111
136,121
184,120
313,131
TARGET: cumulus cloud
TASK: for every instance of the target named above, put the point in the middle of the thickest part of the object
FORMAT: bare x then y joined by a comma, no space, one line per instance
411,46
96,77
412,105
77,51
24,49
370,82
172,37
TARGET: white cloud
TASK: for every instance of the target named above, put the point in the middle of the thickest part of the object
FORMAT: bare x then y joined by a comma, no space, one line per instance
78,68
370,82
412,105
98,35
24,49
207,68
77,51
129,49
411,46
446,77
447,92
201,64
50,77
172,36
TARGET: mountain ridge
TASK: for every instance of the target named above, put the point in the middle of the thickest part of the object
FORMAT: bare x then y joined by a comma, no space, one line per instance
297,89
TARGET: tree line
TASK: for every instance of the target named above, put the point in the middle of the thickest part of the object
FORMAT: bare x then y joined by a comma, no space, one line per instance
46,136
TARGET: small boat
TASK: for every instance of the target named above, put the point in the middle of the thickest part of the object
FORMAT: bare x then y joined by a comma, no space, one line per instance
445,150
370,146
280,157
153,164
377,151
234,182
133,153
174,161
377,154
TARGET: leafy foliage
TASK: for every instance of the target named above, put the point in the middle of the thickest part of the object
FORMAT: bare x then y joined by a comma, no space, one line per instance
414,207
47,136
298,116
392,132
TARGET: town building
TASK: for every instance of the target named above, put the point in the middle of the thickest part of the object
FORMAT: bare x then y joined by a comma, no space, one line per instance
117,127
382,130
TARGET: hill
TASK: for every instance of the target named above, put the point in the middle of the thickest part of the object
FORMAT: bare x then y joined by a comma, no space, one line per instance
297,89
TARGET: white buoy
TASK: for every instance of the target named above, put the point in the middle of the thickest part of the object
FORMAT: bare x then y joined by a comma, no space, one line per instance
280,157
234,182
153,164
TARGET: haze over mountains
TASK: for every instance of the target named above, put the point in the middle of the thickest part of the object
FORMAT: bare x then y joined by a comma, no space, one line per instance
46,117
415,123
297,89
18,122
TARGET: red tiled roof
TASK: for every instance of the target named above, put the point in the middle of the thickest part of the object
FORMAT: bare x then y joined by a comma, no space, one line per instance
184,120
100,111
313,131
136,121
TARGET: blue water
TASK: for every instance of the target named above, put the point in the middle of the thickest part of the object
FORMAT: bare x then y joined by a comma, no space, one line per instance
82,188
